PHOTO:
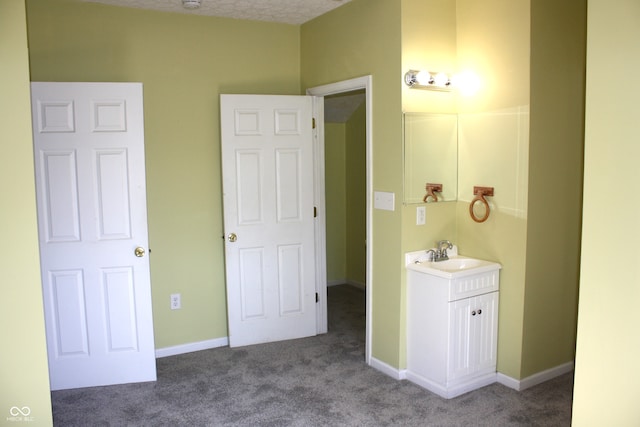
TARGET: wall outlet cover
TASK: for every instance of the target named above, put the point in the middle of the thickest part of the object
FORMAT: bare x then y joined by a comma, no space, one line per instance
421,215
176,302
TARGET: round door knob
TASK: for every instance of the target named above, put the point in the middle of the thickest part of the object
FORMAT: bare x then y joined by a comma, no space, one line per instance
473,313
139,252
232,237
479,311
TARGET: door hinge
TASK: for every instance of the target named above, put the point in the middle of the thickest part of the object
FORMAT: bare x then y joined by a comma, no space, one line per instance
317,298
315,212
313,123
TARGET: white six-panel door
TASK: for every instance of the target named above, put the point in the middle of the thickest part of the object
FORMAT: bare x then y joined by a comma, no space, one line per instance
91,193
267,165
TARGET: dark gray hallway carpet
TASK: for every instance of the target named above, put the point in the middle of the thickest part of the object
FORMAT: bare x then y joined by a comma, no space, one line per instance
318,381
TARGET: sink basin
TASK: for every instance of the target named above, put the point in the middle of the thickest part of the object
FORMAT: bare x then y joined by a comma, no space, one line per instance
455,266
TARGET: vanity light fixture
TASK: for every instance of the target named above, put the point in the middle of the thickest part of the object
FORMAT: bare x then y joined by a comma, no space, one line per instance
416,79
191,4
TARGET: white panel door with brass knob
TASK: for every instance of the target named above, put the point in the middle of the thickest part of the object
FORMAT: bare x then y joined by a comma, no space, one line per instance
92,222
267,169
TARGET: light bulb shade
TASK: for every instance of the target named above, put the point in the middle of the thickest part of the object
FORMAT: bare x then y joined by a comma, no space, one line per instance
441,79
424,78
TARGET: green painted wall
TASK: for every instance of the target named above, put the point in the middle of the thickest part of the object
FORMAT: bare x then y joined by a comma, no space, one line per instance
608,348
185,62
517,133
335,153
493,40
356,192
23,359
428,43
357,39
522,133
558,48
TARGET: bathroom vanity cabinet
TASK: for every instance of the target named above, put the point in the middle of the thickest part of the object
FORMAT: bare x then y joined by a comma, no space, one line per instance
452,330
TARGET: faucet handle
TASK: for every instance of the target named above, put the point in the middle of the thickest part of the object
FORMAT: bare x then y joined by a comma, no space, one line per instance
441,243
441,254
431,255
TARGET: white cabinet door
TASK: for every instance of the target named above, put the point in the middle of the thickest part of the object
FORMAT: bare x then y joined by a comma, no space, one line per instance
473,335
460,342
267,170
485,332
92,223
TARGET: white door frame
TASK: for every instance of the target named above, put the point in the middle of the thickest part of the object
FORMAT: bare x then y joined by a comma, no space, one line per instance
358,83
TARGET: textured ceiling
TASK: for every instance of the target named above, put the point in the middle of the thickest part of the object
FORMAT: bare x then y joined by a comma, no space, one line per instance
283,11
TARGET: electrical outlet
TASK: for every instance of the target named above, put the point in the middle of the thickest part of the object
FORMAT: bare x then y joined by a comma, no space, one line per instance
175,302
421,214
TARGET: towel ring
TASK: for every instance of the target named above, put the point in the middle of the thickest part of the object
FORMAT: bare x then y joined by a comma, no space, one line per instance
480,192
486,206
430,194
431,189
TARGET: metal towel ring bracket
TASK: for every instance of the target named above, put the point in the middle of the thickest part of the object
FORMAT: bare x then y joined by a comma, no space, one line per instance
480,193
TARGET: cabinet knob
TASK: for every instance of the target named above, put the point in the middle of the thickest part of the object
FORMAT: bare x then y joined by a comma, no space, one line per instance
479,311
473,313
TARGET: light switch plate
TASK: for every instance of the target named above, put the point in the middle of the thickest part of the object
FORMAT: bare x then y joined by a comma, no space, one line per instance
384,200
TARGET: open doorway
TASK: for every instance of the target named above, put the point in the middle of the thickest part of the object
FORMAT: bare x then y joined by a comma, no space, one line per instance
345,188
345,203
343,93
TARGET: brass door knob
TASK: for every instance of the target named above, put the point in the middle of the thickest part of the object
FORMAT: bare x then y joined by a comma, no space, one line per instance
232,237
139,252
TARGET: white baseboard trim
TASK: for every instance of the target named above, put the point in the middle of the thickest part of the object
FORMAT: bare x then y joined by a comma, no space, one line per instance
190,347
358,285
336,282
389,370
455,389
519,385
535,379
355,284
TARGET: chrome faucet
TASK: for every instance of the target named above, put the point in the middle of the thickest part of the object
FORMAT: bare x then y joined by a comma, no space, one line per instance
431,255
441,250
439,253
